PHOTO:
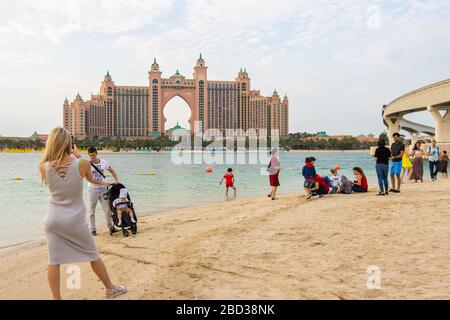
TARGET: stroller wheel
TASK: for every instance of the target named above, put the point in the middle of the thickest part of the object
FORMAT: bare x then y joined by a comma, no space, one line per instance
125,233
112,230
134,230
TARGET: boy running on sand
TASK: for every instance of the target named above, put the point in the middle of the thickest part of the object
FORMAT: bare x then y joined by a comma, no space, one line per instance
309,173
229,181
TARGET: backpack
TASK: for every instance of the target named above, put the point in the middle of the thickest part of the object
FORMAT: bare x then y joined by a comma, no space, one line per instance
437,149
346,185
323,183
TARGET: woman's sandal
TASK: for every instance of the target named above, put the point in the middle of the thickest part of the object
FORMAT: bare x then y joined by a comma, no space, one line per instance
116,291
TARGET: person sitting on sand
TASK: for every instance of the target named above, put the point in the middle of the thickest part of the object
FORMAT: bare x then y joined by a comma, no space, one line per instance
229,181
309,173
335,181
121,204
360,185
322,186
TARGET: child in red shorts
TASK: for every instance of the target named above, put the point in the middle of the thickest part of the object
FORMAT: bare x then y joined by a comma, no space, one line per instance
229,181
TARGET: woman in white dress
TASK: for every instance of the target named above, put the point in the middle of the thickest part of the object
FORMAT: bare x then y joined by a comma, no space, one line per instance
68,237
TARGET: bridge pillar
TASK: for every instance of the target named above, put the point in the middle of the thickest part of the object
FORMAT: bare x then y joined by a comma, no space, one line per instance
414,138
393,127
442,128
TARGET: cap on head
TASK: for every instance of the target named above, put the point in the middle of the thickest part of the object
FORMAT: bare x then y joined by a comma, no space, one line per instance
123,193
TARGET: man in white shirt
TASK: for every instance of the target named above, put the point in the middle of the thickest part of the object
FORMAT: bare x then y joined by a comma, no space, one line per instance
433,157
95,192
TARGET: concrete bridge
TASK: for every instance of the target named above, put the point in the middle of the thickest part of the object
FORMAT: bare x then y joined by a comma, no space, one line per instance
434,98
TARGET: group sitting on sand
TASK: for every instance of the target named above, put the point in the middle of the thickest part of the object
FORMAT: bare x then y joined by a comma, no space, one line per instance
317,186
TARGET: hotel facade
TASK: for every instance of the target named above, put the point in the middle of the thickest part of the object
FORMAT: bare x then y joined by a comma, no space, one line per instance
138,111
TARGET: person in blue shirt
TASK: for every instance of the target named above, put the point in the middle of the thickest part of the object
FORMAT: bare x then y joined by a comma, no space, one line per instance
433,157
309,173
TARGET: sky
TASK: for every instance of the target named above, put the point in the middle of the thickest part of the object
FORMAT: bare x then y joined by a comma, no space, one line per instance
338,61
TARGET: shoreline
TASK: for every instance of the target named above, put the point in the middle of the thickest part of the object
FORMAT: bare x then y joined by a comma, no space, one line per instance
321,150
13,248
261,249
161,152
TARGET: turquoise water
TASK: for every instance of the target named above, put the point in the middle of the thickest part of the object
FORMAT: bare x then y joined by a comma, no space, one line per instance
171,186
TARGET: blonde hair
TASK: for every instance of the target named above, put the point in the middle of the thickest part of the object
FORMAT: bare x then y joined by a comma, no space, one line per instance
57,146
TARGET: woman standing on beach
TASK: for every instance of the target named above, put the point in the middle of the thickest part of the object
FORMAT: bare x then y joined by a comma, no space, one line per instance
406,164
418,155
382,156
274,172
68,237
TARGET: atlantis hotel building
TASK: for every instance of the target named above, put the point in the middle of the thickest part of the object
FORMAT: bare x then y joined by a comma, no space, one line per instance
137,111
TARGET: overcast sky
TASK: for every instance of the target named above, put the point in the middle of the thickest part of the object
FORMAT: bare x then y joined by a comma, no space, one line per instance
338,61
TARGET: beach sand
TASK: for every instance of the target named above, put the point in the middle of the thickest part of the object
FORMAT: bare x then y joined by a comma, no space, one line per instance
263,249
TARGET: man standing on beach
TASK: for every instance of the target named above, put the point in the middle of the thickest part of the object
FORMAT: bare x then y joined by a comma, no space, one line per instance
397,150
433,153
96,192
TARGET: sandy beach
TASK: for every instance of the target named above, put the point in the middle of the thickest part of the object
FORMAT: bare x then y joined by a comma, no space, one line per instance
263,249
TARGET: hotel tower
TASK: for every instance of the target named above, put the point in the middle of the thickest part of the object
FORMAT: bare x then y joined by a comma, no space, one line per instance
137,111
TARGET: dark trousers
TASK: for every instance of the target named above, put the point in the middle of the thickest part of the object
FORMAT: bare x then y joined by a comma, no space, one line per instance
434,169
382,175
358,189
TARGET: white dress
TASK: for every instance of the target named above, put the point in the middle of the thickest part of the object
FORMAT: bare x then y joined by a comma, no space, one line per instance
68,237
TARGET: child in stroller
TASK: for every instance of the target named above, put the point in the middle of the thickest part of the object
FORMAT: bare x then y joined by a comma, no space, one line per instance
121,205
123,214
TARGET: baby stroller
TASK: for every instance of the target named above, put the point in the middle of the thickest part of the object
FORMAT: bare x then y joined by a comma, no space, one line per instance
127,225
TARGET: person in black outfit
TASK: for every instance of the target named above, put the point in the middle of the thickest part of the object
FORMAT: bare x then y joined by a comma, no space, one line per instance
397,150
382,156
